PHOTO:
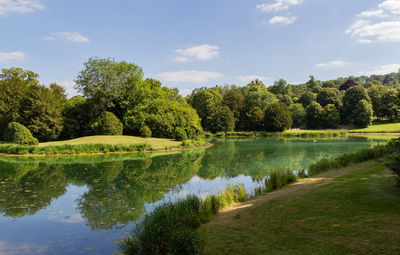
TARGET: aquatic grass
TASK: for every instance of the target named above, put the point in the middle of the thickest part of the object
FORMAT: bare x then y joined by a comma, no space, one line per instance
171,227
347,159
279,179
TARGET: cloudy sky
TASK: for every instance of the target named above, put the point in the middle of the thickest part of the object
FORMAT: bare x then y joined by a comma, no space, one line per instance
189,44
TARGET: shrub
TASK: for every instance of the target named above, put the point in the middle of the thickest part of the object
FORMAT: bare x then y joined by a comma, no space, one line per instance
145,132
277,118
393,157
208,134
108,124
19,134
180,134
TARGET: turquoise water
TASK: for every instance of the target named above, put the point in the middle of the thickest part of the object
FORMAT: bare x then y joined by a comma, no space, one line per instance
84,205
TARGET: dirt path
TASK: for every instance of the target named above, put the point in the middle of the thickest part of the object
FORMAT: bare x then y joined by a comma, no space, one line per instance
301,187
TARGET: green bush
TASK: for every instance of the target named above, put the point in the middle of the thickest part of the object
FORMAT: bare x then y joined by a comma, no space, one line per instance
180,134
108,124
19,134
145,132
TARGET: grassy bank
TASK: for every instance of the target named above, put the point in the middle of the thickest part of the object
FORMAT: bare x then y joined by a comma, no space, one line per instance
288,134
100,144
355,213
379,128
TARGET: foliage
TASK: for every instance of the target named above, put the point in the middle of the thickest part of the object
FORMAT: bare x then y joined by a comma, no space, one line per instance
307,98
363,114
277,118
145,132
330,116
222,120
329,96
255,118
108,124
205,102
235,101
314,114
351,99
163,117
348,84
180,134
14,86
393,157
75,118
19,134
298,115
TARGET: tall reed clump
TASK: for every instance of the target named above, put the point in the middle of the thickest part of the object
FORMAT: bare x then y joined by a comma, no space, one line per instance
171,227
326,164
279,179
71,149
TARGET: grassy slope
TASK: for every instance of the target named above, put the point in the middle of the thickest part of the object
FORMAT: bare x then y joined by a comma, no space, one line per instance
357,213
379,128
155,143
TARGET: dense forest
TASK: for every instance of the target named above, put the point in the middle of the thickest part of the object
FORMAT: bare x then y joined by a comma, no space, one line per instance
116,99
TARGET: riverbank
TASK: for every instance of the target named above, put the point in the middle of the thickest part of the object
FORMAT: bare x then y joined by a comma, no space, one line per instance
391,128
287,134
97,145
348,210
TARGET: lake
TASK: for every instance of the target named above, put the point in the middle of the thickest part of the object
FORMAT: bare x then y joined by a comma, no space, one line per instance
84,205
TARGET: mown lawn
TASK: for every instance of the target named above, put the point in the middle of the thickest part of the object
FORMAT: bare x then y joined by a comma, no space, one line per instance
155,143
379,128
358,213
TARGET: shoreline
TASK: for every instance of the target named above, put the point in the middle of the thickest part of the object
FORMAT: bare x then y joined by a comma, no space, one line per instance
175,149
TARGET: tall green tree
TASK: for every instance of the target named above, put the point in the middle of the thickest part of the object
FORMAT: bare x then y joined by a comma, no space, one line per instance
314,113
376,93
350,101
330,116
41,111
235,101
14,86
206,102
363,114
330,96
277,118
298,115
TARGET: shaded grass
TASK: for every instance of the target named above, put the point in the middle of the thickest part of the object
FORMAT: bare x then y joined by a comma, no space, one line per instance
357,213
379,128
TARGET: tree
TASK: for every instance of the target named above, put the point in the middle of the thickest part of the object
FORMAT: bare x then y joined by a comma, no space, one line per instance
298,115
76,118
351,99
113,86
313,85
223,120
307,98
363,114
329,96
285,99
277,118
281,88
255,119
376,93
348,84
14,86
41,111
205,102
330,116
235,102
108,124
314,114
390,105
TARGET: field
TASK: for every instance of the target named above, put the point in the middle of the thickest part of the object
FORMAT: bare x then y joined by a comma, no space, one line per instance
353,210
379,128
155,143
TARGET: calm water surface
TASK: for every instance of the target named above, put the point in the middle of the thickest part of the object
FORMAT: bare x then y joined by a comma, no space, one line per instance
83,205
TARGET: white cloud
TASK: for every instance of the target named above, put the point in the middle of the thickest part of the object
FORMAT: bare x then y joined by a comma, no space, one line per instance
282,20
384,69
334,63
189,76
249,78
279,5
379,25
19,6
67,36
200,52
68,86
15,56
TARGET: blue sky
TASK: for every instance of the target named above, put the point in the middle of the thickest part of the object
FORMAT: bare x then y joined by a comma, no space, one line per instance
189,44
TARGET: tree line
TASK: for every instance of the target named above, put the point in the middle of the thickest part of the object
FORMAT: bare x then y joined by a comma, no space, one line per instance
116,99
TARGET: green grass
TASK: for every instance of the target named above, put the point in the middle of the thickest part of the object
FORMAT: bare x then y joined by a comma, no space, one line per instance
100,144
379,128
155,143
357,213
